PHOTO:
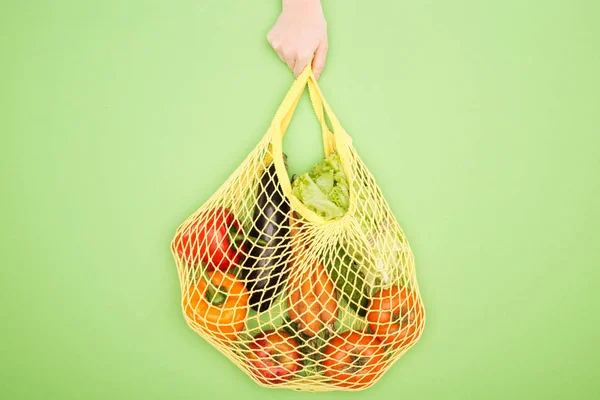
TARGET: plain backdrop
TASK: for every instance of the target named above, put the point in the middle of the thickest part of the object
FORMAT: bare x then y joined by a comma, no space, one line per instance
480,121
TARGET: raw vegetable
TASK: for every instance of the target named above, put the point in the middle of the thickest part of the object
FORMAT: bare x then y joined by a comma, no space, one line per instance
349,279
211,240
265,267
218,303
324,190
353,359
274,357
312,301
312,296
394,316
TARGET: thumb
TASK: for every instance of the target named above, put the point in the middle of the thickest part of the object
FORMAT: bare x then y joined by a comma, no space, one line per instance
320,57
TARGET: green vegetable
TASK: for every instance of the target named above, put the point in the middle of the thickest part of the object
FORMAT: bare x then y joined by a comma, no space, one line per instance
324,190
349,279
309,193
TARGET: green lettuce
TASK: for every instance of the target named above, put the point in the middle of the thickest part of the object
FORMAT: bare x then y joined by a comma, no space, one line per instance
311,195
324,189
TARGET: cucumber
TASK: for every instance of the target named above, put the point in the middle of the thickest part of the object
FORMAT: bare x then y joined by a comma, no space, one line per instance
350,281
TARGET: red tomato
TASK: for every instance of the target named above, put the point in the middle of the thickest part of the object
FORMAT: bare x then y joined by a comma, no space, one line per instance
274,357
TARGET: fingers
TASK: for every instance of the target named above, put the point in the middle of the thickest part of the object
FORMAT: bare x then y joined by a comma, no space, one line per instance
291,60
297,60
281,56
285,55
299,34
320,57
302,61
276,45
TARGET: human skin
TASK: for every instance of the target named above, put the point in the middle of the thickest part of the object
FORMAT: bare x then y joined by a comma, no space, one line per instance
300,33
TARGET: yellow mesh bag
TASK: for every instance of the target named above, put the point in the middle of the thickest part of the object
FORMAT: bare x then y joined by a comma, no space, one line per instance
293,299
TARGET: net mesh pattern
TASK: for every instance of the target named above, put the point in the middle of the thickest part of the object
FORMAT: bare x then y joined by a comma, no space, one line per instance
296,303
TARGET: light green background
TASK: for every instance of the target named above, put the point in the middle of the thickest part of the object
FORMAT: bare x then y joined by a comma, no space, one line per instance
479,119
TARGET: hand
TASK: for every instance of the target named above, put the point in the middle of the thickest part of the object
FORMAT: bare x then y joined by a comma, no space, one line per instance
299,33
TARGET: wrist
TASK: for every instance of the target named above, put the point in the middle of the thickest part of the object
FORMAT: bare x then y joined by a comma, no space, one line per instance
301,3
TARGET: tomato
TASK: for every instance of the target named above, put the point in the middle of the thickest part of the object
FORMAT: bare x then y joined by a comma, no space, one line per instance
274,357
219,307
395,316
354,359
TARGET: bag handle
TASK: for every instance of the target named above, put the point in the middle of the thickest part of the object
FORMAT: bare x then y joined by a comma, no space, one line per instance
287,108
338,140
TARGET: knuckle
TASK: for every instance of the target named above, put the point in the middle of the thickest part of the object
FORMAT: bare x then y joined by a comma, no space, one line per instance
277,45
304,55
288,53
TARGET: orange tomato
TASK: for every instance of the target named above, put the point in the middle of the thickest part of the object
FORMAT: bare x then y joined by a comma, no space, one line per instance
354,359
221,312
395,316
